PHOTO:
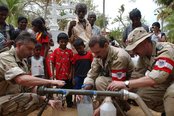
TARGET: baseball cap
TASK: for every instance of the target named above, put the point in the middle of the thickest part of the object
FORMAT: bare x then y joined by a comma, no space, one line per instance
137,36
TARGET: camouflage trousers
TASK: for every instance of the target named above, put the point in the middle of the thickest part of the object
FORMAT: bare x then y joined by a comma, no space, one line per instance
159,98
101,84
19,104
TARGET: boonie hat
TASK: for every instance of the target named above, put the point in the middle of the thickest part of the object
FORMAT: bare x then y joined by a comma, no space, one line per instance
137,36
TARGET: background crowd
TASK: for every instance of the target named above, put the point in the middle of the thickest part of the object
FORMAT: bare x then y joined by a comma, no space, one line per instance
91,57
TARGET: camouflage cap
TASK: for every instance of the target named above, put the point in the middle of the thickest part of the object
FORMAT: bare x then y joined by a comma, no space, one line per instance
137,36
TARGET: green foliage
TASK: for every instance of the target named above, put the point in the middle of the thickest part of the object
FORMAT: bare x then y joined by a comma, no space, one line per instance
15,9
116,33
166,14
170,27
100,19
164,2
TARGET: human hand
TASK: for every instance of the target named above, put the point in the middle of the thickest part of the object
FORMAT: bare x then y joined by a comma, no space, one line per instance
58,83
96,112
55,104
87,86
79,97
116,85
72,24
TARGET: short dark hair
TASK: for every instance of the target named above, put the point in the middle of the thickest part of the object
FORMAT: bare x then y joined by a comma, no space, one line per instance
4,8
42,19
157,24
20,18
25,37
91,13
78,42
62,35
101,40
135,13
80,6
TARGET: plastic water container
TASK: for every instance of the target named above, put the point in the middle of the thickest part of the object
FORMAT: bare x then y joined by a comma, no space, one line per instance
85,107
107,108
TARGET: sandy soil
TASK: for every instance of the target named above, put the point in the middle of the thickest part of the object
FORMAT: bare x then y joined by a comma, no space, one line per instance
135,111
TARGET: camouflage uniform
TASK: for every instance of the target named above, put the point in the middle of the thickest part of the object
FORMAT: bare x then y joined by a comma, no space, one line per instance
159,67
13,98
118,66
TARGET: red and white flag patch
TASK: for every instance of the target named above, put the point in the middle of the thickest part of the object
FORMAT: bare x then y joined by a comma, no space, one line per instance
119,75
164,64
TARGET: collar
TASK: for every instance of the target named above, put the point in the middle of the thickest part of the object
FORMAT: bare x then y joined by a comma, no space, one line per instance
77,20
109,56
12,51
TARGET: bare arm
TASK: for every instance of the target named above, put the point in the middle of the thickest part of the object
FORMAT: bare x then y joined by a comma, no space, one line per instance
27,80
142,82
134,83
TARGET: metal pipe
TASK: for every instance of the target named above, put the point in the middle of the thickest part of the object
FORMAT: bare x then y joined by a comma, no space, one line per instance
139,101
44,90
122,94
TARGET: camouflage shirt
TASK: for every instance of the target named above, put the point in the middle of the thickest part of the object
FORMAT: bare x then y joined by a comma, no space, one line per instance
118,66
10,67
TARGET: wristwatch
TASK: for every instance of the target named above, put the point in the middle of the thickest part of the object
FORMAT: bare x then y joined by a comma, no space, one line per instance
126,83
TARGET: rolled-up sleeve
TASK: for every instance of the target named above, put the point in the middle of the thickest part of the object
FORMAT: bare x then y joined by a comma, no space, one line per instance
162,69
158,76
13,72
93,72
9,68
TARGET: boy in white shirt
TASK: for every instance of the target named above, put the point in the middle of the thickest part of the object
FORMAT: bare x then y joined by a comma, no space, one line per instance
37,62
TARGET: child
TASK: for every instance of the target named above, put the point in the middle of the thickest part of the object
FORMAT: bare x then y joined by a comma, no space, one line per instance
37,62
49,64
82,63
62,58
41,36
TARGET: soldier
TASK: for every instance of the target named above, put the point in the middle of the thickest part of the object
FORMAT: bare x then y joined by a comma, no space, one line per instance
15,82
110,64
155,69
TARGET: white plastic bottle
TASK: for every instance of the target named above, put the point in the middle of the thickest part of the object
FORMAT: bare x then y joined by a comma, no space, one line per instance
85,107
107,108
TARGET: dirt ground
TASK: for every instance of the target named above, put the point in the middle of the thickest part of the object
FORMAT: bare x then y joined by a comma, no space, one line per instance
135,111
